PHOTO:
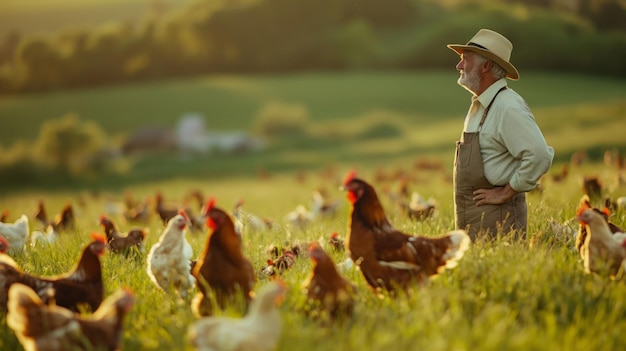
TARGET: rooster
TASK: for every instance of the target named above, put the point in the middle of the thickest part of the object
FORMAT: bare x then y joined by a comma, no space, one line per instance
603,252
16,233
51,328
82,285
122,242
582,229
326,288
169,260
222,269
259,330
388,258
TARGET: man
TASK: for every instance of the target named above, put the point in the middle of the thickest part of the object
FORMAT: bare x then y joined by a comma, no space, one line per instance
502,153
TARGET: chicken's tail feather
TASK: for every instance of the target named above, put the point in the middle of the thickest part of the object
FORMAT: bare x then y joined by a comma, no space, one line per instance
460,242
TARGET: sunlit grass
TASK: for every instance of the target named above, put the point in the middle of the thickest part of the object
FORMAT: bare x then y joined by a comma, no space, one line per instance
503,295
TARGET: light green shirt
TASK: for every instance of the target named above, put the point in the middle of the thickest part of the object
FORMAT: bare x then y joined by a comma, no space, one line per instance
513,148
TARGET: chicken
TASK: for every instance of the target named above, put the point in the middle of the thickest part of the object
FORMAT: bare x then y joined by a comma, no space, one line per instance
325,288
300,217
336,242
122,242
222,269
249,222
82,285
169,260
322,206
48,236
16,233
259,330
419,208
4,258
4,217
65,219
41,215
280,264
603,252
388,258
592,187
164,212
140,213
41,327
582,229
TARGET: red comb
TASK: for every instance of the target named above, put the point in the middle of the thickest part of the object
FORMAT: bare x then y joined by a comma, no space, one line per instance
607,212
351,175
313,246
98,237
182,213
334,235
210,204
102,217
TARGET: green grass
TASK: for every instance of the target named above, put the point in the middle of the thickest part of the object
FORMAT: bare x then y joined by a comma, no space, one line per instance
354,118
503,295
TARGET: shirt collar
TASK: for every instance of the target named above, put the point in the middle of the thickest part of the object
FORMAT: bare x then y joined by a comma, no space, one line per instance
489,93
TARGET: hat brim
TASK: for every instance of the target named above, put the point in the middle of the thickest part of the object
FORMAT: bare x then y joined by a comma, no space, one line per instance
511,71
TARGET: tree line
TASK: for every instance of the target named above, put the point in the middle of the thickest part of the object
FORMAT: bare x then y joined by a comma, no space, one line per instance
276,36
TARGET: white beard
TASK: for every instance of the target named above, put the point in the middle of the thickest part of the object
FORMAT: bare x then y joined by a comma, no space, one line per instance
470,80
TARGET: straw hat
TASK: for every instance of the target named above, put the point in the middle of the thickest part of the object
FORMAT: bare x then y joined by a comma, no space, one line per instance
493,46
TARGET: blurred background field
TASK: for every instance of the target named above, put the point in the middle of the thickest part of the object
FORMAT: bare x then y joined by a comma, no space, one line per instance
107,93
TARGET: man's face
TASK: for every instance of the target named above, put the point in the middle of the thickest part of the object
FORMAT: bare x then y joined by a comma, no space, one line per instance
469,68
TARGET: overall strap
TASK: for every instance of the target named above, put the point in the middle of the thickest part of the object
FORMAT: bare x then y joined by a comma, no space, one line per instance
482,120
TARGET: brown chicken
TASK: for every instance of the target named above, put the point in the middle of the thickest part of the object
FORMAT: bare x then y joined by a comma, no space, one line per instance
140,213
582,229
326,289
603,251
279,264
41,215
64,220
388,258
122,242
165,213
82,285
221,269
336,242
41,327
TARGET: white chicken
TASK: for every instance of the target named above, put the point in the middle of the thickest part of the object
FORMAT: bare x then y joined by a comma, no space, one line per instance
16,233
259,330
247,221
300,217
47,237
169,260
603,252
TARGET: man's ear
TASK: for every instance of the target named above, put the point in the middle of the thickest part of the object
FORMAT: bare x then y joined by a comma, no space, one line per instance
487,66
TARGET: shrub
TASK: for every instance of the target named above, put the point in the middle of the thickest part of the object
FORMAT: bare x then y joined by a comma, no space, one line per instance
279,119
70,146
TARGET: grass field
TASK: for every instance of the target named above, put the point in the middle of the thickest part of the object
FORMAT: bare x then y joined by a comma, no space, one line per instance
503,295
426,109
